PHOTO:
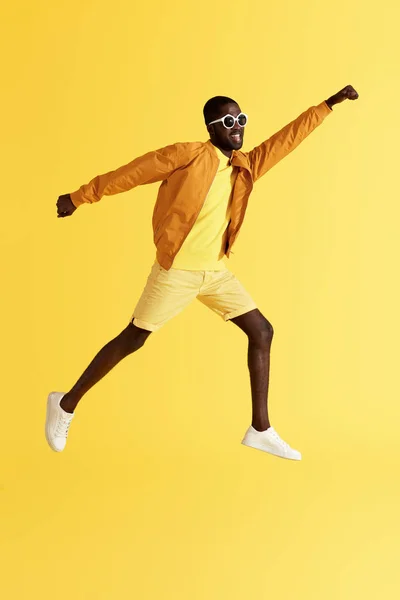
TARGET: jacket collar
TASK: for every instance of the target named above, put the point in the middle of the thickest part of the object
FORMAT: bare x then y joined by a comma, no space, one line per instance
238,158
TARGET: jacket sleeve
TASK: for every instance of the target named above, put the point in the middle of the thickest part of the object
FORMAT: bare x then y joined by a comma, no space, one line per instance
149,168
269,153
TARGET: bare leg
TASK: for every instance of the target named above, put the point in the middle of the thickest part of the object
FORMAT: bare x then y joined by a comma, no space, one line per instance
129,340
260,333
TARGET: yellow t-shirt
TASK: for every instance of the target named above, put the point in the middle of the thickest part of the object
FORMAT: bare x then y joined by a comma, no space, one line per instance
204,247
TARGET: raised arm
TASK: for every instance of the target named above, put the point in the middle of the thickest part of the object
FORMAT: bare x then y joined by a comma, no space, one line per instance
263,157
149,168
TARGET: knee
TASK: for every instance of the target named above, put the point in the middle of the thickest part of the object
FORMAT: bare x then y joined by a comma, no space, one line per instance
133,338
263,334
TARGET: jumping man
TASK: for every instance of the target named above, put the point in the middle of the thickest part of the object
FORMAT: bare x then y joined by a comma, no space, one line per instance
201,204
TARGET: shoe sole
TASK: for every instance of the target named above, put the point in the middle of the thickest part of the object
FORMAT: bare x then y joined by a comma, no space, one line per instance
263,449
48,409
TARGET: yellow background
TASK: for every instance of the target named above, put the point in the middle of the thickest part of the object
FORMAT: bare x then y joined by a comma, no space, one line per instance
155,497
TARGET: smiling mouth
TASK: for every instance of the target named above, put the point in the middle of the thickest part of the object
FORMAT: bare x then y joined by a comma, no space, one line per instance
237,137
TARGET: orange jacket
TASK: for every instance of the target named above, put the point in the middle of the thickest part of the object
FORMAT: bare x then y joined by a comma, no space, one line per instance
187,171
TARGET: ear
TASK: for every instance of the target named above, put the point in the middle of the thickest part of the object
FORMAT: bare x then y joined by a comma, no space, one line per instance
211,130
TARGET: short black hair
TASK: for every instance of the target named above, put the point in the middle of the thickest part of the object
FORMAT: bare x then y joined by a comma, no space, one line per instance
212,106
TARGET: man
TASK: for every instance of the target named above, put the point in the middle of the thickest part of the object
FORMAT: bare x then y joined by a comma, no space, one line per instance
199,211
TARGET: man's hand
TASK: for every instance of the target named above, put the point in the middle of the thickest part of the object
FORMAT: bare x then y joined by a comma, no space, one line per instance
65,207
347,93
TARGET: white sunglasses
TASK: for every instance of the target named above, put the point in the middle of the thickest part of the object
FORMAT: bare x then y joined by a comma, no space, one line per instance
229,121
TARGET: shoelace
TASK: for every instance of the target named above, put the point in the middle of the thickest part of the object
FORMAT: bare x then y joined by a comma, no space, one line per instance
63,426
279,440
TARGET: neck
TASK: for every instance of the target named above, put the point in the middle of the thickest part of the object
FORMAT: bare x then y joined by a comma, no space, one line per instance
227,153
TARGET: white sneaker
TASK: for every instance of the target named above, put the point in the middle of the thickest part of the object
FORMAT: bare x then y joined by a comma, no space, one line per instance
269,441
57,422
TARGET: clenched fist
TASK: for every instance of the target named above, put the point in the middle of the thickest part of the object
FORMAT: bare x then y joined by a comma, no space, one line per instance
65,207
347,93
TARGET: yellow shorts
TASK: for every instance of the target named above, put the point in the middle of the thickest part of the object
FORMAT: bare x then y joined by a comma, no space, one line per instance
167,293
